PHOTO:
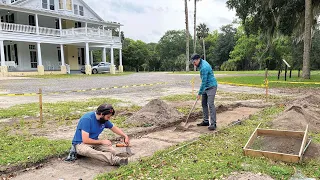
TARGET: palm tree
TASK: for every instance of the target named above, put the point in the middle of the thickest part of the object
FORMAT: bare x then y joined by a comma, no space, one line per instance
195,29
202,33
195,26
307,39
187,34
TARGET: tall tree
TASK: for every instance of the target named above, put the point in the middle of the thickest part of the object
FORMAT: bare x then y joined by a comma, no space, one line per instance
307,39
271,17
202,32
195,26
187,33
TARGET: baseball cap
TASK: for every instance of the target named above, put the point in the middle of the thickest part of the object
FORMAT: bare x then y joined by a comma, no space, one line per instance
194,57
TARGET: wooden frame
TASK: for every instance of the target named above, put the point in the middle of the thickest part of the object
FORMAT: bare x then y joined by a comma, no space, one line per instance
274,155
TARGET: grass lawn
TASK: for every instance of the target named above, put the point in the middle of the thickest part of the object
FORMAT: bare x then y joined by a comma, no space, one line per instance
293,82
19,147
257,72
214,157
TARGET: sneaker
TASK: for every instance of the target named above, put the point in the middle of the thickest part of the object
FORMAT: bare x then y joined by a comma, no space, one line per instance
212,128
203,124
123,162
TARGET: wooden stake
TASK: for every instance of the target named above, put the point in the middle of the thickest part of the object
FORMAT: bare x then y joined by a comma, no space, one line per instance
266,83
40,105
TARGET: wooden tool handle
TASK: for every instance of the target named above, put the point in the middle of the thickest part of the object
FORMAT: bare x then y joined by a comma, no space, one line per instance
121,145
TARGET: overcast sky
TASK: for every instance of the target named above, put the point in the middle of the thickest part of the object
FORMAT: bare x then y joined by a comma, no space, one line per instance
148,20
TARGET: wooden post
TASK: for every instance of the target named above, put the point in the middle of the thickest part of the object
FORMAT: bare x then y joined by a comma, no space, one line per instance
299,72
290,72
40,105
266,83
285,73
279,74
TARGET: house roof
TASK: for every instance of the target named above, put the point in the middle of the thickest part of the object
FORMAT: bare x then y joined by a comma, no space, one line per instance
45,12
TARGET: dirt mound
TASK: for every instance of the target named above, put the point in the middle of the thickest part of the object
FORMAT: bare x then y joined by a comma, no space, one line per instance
155,113
300,113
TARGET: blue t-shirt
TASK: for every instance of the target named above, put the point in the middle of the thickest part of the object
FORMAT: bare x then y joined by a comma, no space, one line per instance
89,123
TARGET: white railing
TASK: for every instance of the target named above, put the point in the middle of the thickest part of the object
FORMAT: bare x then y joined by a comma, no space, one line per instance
116,39
49,31
10,27
95,33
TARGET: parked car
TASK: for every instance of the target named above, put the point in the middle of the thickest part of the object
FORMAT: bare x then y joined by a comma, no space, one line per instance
99,67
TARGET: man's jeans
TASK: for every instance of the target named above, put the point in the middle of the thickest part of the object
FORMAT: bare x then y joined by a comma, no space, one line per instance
208,106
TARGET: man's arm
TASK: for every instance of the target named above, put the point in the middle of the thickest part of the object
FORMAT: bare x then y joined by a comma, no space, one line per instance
204,77
87,140
118,131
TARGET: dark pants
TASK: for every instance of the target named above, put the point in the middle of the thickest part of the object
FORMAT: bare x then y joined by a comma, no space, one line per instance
208,106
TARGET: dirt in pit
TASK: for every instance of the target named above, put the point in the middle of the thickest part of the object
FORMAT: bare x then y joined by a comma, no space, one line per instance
155,113
286,145
298,114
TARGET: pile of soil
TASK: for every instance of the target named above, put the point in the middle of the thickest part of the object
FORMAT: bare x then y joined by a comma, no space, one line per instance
155,113
302,112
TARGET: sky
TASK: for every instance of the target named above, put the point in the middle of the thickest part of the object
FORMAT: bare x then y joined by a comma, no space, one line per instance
148,20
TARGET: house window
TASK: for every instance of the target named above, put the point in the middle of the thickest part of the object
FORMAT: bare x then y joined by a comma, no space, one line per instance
81,11
57,24
9,52
33,56
51,4
59,54
76,11
15,47
61,4
77,25
32,21
45,4
11,18
69,5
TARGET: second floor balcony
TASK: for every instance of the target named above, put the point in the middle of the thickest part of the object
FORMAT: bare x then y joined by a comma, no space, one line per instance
82,32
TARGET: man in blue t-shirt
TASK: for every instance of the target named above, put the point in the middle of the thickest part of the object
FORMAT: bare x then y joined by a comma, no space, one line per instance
207,90
86,140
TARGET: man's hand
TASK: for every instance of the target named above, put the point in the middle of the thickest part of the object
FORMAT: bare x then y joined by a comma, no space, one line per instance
106,142
198,97
126,140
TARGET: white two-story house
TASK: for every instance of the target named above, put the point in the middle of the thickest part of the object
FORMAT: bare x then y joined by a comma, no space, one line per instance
40,37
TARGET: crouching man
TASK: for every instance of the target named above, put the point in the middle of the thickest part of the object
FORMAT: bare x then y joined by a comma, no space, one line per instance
86,140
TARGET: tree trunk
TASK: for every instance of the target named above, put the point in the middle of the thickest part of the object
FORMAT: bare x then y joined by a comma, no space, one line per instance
204,49
195,27
307,40
195,31
187,35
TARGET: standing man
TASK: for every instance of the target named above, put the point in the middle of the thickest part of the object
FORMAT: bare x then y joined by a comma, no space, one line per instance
90,126
208,91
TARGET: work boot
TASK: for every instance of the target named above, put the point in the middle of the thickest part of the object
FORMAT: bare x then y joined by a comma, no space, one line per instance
203,124
212,127
123,162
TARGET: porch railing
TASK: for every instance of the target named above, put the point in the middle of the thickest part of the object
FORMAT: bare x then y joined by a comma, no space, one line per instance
73,32
21,28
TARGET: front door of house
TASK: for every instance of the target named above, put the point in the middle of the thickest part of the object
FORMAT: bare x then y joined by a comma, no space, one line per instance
33,56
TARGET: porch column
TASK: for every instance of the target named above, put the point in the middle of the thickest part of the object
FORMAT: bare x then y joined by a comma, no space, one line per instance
37,24
63,64
120,60
60,27
91,56
104,56
88,66
40,66
3,67
86,29
113,67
